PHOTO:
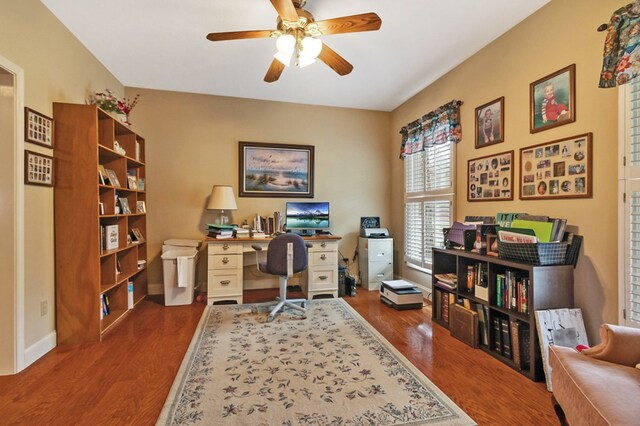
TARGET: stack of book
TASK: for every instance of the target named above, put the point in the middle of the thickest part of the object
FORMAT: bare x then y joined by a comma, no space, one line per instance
512,340
241,232
512,292
220,231
448,281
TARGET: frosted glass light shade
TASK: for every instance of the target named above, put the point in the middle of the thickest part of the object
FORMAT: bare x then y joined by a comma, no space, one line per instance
286,43
285,58
311,47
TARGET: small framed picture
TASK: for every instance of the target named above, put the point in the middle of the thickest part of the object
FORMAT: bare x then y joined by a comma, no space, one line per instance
38,128
124,204
38,169
141,207
490,178
133,183
553,100
557,169
490,123
113,178
136,235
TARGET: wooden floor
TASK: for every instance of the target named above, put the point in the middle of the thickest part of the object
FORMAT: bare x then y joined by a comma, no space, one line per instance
126,378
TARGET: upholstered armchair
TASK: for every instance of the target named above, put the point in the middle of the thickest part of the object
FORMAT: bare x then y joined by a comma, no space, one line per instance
600,385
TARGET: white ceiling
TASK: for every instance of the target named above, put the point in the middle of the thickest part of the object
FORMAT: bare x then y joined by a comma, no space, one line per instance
161,44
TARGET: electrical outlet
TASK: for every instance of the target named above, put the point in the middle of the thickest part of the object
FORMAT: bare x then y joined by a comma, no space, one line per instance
44,308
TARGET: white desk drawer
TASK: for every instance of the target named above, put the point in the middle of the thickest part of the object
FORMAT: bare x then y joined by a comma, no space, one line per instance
225,248
323,246
320,258
220,284
320,279
222,261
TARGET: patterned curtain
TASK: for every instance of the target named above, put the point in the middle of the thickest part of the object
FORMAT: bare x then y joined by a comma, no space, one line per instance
621,57
437,127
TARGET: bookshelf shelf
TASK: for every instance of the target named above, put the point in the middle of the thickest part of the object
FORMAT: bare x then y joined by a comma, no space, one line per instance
506,332
92,149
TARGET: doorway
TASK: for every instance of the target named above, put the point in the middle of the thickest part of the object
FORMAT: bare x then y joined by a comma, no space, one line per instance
11,219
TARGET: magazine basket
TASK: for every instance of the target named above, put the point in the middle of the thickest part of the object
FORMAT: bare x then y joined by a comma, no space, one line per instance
534,253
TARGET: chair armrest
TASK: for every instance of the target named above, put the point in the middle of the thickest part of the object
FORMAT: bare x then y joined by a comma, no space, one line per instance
308,245
620,345
256,247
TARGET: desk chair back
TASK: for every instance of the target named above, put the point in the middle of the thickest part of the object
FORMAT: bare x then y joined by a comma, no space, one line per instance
276,263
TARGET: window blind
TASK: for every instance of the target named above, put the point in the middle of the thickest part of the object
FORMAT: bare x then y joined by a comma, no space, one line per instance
429,201
633,279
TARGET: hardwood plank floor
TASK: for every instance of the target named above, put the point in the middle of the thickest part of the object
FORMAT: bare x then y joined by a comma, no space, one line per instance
126,378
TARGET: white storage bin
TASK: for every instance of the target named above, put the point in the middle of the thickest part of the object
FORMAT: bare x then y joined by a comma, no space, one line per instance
179,284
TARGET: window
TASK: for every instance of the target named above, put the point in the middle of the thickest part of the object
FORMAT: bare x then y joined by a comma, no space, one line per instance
629,205
429,201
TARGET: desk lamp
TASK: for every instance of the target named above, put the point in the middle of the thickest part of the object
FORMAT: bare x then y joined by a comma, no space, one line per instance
222,198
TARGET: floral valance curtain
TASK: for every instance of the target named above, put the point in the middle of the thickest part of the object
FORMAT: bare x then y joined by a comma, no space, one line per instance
437,127
621,57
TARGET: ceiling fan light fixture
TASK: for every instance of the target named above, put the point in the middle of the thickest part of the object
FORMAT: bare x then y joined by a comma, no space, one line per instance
286,44
304,61
285,58
311,47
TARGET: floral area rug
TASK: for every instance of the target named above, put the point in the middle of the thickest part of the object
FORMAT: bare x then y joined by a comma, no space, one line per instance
325,367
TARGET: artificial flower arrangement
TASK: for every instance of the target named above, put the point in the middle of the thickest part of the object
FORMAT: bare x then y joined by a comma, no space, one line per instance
109,102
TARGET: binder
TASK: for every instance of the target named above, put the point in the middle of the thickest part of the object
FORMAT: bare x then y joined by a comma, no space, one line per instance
463,324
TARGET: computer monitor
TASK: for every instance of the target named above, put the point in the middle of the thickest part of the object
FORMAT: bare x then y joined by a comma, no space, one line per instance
307,217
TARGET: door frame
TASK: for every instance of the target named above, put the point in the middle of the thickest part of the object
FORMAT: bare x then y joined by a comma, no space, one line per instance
18,236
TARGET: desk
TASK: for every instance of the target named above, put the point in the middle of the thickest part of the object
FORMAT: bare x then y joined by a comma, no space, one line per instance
226,260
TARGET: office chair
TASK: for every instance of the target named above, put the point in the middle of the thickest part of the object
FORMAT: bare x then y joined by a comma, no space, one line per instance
286,255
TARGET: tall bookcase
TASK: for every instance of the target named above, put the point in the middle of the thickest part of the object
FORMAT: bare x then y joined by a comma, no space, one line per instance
86,273
500,320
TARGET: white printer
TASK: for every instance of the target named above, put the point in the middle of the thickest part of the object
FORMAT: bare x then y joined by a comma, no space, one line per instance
400,295
374,232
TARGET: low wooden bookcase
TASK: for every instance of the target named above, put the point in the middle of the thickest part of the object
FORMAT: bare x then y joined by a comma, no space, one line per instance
511,322
85,205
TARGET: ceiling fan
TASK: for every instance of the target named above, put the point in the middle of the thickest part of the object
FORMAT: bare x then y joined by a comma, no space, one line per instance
297,37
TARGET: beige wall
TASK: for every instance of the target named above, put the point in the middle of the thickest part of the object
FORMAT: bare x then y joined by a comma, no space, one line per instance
57,68
561,33
192,144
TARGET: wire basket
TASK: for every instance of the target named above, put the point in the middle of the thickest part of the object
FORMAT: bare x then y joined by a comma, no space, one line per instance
534,253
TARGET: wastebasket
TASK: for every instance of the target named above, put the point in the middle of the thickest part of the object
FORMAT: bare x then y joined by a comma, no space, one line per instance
179,273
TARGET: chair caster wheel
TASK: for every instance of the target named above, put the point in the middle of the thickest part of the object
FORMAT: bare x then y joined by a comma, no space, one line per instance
304,305
270,318
254,310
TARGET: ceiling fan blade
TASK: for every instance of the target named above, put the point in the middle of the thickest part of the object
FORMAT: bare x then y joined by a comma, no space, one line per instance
335,61
274,71
286,10
239,35
350,24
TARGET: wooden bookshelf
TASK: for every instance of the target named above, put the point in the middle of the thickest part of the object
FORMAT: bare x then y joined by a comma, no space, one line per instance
545,287
86,138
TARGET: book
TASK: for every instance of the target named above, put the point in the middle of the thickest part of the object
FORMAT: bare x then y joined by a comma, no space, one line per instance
541,229
471,277
505,219
111,237
516,237
506,338
449,278
516,326
130,295
482,325
497,335
445,306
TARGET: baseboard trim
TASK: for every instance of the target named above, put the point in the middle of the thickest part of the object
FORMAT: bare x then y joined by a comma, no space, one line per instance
40,348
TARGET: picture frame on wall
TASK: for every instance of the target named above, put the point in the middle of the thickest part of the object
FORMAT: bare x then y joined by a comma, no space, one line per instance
490,123
553,100
38,128
38,169
275,170
558,169
490,178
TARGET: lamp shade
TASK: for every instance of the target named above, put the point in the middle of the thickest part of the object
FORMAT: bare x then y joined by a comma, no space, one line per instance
222,198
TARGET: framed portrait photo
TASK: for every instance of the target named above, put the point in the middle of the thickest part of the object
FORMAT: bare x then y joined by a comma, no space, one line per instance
38,169
490,123
38,128
558,169
490,178
553,100
276,170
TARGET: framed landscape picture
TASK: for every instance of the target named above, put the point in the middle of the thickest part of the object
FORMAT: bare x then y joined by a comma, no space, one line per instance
553,100
490,123
490,178
558,169
276,170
